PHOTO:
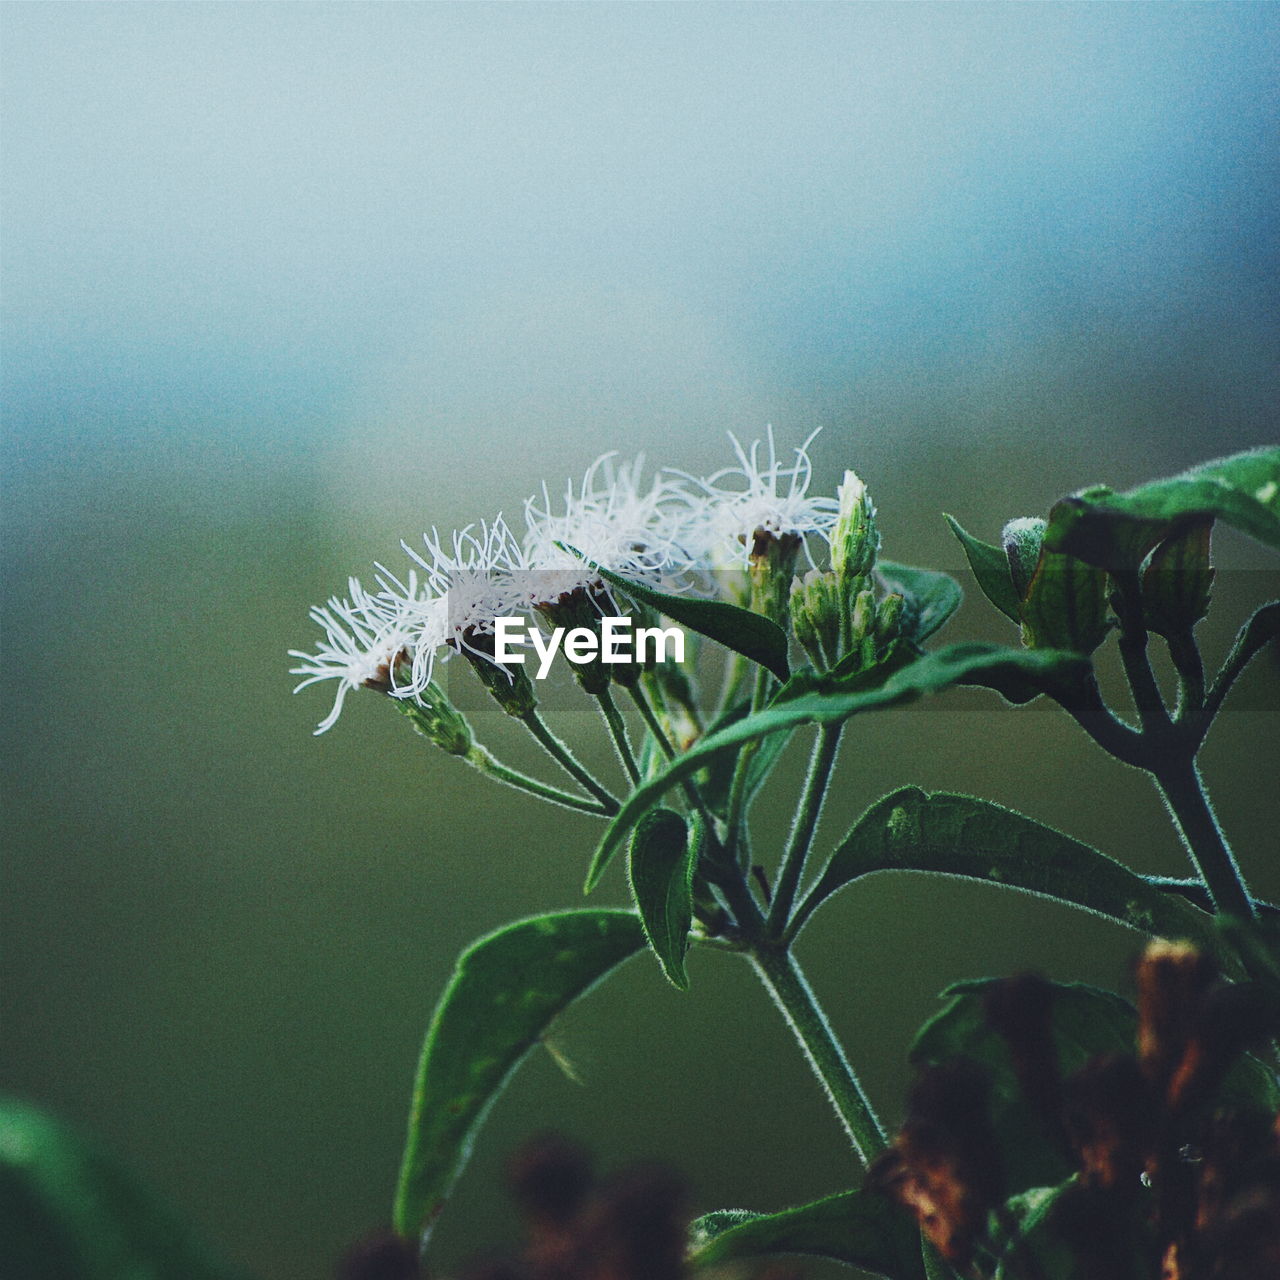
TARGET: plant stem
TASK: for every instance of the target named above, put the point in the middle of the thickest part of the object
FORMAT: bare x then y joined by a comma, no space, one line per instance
480,758
654,726
1152,713
821,762
741,767
1186,658
1183,790
785,981
618,732
564,757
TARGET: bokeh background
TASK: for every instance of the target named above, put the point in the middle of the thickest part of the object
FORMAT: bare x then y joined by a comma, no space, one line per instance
285,283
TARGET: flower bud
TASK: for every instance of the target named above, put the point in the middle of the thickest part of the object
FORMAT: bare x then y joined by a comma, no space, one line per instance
1022,539
1177,580
510,686
437,719
815,617
772,563
854,539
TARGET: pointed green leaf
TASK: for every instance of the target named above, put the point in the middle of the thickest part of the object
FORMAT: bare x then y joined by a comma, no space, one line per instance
990,567
1260,630
505,991
929,673
751,634
69,1212
931,597
1117,530
955,835
663,857
862,1228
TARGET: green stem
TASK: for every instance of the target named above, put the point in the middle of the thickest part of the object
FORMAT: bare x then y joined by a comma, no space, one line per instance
618,732
741,767
1152,713
785,981
654,726
652,723
1186,658
821,762
480,758
1183,790
564,757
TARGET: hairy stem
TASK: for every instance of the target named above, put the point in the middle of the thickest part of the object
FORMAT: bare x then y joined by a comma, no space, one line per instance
618,732
1183,790
741,767
565,759
821,762
785,981
491,767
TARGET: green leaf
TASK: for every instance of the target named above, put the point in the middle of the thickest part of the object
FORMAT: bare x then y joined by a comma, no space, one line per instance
862,1228
1085,1022
955,835
663,857
751,634
69,1212
1261,629
505,991
990,567
931,597
1117,530
929,673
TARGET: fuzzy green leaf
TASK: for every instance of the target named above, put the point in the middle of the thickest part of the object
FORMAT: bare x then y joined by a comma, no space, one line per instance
862,1228
1117,530
955,835
505,991
69,1212
990,567
662,862
930,673
931,597
751,634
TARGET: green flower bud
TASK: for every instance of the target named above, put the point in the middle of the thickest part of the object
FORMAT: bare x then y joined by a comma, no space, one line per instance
437,719
1022,539
854,539
510,687
889,619
862,619
1065,605
1178,580
578,608
815,617
772,563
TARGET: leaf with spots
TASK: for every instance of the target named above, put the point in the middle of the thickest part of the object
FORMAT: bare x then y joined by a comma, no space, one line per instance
1117,530
506,990
955,835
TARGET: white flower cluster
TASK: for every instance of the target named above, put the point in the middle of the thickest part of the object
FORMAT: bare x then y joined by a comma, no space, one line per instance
668,532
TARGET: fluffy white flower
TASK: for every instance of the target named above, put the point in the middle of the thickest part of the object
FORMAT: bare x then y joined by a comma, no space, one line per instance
471,586
614,521
763,495
366,638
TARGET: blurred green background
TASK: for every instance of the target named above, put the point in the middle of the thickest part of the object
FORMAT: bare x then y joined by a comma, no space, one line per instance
283,284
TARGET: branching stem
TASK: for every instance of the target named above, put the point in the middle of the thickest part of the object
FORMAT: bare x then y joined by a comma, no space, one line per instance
565,759
491,767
